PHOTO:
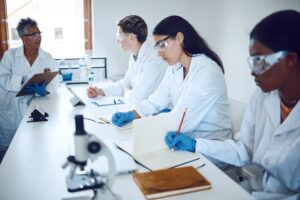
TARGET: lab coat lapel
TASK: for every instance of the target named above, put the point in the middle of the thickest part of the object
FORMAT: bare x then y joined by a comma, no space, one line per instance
272,105
142,50
178,72
291,122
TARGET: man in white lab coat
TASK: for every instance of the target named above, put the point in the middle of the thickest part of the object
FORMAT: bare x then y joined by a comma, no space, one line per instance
270,131
194,81
17,66
145,71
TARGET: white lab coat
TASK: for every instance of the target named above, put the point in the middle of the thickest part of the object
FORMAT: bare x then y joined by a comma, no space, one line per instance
15,70
267,143
143,75
203,92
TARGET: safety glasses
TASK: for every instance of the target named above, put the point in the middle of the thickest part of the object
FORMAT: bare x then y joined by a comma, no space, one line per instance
121,36
34,35
161,44
260,64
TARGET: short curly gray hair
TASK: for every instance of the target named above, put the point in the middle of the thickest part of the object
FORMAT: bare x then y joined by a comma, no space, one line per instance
24,24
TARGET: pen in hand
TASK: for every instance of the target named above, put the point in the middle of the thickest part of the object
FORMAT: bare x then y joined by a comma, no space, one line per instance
179,128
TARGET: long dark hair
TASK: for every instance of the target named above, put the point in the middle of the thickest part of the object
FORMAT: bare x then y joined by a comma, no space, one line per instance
193,43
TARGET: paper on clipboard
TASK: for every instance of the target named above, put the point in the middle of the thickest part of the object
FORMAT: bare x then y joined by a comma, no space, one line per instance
38,78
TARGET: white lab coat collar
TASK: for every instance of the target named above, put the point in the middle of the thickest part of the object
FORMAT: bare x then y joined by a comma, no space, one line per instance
178,68
291,122
20,52
141,51
272,105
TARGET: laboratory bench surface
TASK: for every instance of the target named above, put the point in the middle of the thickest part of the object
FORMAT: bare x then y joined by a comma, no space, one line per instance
32,166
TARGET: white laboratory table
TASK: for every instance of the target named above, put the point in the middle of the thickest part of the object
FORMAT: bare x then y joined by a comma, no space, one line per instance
31,168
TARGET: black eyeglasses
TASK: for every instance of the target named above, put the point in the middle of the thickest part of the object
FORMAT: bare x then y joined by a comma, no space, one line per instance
34,35
161,44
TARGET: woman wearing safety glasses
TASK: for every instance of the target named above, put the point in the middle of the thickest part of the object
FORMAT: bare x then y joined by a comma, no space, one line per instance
145,70
194,81
17,66
270,131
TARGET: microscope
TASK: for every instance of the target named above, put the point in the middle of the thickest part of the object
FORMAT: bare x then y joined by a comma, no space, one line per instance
89,147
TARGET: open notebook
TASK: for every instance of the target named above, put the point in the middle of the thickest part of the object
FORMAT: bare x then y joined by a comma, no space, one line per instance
148,145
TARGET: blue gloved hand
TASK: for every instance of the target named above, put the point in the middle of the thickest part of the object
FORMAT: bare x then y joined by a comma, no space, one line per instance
29,90
41,89
122,118
180,142
36,89
165,110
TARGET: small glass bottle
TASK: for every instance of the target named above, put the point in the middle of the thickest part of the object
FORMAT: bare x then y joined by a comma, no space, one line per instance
91,78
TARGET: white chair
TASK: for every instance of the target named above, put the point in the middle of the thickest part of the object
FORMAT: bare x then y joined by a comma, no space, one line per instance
236,111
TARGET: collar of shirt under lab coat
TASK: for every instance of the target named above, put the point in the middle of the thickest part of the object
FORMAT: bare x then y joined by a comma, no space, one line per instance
272,105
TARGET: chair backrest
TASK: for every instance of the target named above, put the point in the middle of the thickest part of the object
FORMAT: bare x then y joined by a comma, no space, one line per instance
236,110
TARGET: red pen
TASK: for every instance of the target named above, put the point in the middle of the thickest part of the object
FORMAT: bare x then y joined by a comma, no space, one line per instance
180,125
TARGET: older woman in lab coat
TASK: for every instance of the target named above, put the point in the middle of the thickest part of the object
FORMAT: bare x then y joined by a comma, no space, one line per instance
145,71
194,81
270,131
17,66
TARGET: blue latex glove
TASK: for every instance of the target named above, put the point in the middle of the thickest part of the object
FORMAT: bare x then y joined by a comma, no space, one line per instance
29,90
122,118
165,110
36,89
180,142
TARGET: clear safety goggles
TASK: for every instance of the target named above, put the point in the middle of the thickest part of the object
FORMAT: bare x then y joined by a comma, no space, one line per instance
260,64
161,44
121,36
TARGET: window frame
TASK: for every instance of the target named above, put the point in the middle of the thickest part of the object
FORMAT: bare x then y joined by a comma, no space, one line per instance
3,28
87,6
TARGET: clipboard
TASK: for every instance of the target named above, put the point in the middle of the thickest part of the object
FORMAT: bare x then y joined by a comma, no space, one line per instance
37,78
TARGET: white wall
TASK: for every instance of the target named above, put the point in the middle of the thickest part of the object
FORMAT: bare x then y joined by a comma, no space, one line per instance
107,13
225,25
